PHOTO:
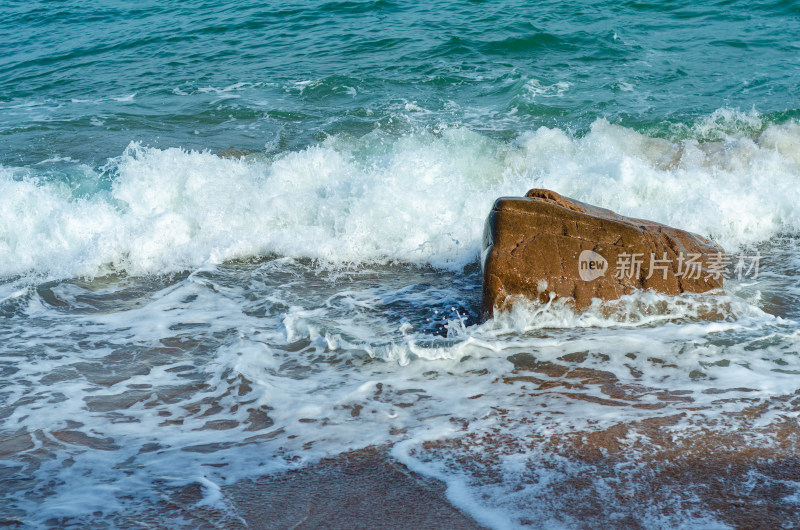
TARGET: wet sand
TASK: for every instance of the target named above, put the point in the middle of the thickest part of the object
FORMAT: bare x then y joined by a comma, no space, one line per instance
646,475
738,470
361,489
663,477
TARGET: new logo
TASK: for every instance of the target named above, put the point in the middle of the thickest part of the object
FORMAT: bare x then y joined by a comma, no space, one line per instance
591,265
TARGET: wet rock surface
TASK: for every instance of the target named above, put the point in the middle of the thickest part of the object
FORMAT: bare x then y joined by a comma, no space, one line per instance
545,246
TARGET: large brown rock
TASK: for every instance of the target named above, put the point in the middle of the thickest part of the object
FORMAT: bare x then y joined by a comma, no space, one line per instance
544,245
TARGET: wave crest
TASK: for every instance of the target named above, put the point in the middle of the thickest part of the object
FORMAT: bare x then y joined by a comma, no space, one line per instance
420,198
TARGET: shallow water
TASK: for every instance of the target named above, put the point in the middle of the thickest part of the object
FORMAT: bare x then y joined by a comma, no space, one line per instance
174,321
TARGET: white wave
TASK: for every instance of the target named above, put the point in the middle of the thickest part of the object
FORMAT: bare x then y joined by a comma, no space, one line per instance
420,198
536,88
125,99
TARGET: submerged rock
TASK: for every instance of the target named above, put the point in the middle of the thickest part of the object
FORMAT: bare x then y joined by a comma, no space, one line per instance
545,246
233,152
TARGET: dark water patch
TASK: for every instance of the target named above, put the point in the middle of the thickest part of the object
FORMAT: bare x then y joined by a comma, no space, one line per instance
106,294
534,41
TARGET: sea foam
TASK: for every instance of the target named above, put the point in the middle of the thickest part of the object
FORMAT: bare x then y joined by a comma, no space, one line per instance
421,198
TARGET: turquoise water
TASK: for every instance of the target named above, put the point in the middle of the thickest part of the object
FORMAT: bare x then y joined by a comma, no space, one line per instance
283,76
236,238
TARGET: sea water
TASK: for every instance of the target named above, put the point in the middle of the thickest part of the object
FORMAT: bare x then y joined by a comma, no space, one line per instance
238,238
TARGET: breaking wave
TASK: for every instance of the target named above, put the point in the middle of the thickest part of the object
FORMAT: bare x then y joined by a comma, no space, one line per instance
420,198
